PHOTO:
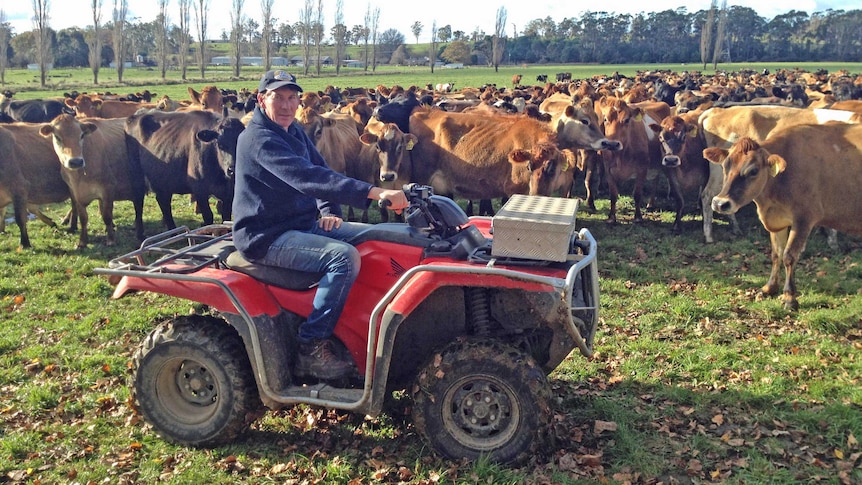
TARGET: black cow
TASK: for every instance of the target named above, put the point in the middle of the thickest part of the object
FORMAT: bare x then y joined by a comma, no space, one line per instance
542,78
189,152
32,110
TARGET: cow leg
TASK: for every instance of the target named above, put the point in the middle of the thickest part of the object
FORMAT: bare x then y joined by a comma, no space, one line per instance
832,238
19,206
778,241
613,194
164,200
676,193
469,209
796,240
204,208
85,219
638,197
706,211
486,207
138,203
106,208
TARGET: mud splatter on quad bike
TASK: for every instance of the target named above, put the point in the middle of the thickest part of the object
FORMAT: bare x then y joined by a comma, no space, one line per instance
469,331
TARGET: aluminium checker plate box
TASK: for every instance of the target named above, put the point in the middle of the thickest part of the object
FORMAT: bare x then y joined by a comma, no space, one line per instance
534,227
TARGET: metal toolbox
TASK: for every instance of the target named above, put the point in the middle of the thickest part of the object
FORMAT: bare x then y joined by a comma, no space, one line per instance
534,227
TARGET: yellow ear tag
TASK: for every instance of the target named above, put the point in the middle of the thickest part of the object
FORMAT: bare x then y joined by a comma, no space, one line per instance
410,145
774,170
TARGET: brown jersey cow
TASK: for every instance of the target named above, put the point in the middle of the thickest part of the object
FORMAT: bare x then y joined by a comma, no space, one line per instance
799,178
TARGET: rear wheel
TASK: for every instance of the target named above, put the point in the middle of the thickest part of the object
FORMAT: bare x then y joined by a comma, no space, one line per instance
483,398
192,381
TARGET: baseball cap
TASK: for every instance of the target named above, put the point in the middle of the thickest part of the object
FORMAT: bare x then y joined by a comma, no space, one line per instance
277,78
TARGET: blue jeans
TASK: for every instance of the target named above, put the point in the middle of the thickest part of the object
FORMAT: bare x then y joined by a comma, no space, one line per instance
320,251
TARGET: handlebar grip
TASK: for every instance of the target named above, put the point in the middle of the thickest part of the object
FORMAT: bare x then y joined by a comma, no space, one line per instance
384,203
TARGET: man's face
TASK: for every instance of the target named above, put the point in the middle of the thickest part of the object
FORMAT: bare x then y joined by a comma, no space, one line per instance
280,105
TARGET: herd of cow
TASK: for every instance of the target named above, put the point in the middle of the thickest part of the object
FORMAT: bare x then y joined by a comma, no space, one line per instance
789,141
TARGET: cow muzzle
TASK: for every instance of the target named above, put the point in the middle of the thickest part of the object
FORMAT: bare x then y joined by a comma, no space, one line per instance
388,176
76,163
670,161
723,205
612,145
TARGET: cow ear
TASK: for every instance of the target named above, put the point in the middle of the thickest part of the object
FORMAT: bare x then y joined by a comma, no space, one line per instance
715,155
412,140
777,164
196,97
655,128
97,103
46,130
518,156
207,136
368,138
70,102
639,115
692,131
88,128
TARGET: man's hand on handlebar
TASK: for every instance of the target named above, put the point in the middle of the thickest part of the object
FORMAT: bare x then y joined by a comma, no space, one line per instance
393,199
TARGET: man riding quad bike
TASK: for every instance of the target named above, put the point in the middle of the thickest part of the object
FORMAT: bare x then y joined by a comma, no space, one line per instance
467,321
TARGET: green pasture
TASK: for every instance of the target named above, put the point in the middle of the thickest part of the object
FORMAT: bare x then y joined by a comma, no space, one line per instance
25,84
695,379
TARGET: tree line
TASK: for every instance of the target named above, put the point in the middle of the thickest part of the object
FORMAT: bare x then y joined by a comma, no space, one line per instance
717,34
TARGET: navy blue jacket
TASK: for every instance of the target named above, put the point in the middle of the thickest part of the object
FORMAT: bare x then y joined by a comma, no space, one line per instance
282,183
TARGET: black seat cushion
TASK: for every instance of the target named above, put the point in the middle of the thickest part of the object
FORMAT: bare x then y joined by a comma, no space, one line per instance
273,275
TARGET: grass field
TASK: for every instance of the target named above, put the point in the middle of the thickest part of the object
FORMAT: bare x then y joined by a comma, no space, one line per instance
696,379
25,83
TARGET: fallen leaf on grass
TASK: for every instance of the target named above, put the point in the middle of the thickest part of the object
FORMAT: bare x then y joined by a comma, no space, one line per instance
601,426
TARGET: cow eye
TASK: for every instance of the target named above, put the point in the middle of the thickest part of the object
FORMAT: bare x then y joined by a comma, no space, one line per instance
752,172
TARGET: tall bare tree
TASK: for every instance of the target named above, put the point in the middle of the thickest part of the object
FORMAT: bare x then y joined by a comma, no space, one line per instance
121,8
162,25
499,42
721,31
306,16
5,36
318,34
339,35
266,38
706,34
94,40
185,35
43,37
201,10
375,31
432,51
236,26
366,31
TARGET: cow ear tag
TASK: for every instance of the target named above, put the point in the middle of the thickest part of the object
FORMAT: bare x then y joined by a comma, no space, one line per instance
410,145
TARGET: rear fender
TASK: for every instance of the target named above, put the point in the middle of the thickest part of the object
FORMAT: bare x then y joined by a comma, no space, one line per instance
225,290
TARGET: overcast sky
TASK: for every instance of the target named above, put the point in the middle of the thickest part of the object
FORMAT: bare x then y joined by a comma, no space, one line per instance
460,14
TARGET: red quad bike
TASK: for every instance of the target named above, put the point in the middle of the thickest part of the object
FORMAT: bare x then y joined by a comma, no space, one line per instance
437,310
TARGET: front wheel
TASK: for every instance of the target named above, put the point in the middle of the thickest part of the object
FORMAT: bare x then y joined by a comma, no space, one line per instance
192,381
483,398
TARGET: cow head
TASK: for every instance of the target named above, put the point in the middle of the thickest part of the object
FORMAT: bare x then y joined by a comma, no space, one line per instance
84,105
673,133
393,149
747,169
210,99
222,143
312,123
578,127
543,164
68,135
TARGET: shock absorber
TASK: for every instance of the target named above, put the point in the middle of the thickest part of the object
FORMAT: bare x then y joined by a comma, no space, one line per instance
479,311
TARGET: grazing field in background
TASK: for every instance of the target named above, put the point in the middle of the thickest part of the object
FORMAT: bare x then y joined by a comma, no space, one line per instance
25,83
695,378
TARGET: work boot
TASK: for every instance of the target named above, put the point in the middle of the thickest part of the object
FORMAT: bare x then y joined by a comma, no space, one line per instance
320,359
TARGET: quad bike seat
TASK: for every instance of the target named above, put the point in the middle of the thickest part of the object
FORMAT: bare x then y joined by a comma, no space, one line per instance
273,275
